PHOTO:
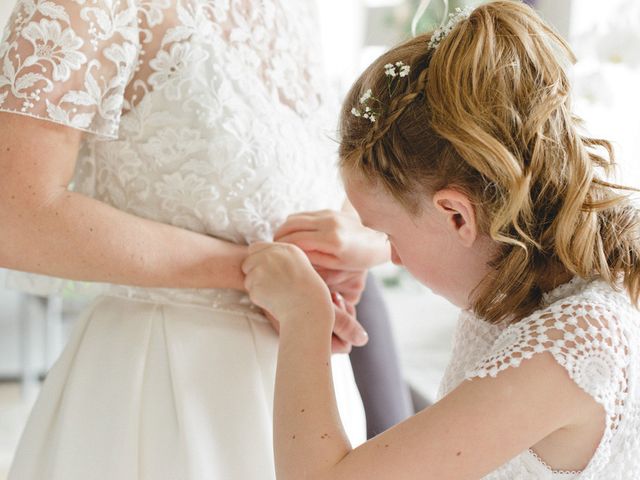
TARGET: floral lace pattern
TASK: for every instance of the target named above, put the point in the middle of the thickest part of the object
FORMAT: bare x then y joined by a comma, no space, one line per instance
592,331
204,114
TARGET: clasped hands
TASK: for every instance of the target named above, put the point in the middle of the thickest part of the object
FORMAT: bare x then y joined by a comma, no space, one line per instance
341,251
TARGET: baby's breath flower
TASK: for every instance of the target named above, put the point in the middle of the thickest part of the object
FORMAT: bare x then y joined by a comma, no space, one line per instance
370,116
454,18
371,106
366,96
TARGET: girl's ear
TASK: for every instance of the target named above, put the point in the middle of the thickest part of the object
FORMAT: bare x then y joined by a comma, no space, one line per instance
460,214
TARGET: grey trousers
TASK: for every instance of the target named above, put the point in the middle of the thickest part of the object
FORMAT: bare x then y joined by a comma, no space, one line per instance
376,366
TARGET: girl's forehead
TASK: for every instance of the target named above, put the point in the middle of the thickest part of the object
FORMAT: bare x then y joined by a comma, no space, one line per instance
373,203
362,191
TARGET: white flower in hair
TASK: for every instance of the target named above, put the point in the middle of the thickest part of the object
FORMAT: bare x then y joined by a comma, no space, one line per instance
366,96
391,70
454,18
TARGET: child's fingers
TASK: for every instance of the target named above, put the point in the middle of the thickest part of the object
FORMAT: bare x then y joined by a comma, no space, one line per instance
352,288
254,258
349,329
259,246
338,300
249,264
272,320
334,277
251,280
339,346
325,260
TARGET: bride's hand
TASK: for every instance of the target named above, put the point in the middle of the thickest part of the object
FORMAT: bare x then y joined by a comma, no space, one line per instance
335,240
281,280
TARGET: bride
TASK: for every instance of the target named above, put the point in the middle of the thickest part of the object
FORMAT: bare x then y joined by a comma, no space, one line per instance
187,130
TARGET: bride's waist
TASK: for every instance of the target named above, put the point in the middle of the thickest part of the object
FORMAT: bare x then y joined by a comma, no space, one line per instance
224,300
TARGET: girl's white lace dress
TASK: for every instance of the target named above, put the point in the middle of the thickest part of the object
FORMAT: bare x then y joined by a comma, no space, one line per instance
591,330
205,114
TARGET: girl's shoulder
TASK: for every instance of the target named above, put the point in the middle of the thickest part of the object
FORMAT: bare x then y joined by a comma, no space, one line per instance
590,329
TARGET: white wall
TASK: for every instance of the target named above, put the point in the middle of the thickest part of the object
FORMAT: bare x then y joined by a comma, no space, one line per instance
558,13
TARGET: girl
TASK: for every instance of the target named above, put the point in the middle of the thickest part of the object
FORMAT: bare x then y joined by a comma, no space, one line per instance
462,148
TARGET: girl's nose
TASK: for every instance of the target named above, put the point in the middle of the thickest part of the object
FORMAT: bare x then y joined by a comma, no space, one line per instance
395,258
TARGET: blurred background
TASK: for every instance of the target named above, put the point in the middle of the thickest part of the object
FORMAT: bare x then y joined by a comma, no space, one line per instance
605,36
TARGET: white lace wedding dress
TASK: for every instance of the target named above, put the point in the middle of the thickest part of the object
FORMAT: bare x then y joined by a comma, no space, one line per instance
591,330
205,114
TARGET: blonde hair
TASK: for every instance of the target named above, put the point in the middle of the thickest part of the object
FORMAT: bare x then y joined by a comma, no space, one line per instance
488,113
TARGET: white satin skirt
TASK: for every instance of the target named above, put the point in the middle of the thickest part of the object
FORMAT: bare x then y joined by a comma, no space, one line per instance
152,391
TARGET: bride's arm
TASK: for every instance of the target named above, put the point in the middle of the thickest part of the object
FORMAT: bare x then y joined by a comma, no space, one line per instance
50,230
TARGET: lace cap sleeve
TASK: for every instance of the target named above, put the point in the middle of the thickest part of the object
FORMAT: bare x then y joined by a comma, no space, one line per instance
69,61
585,338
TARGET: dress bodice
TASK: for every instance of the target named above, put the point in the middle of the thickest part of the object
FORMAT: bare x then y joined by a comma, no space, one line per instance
211,115
592,331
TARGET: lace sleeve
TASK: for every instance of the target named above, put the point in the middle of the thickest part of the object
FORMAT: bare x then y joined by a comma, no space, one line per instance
586,339
69,61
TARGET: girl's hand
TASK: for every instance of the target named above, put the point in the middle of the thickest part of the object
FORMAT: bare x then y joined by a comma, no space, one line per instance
280,279
335,240
346,326
350,284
